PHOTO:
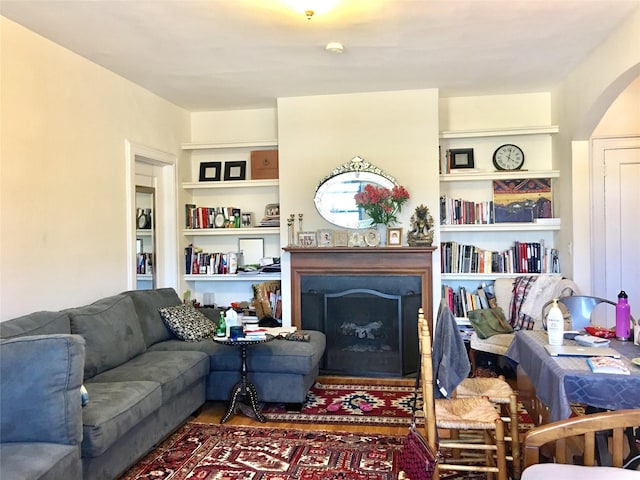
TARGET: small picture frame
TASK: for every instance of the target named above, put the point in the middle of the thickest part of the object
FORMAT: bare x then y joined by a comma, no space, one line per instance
340,238
394,236
325,237
307,239
210,171
246,220
461,158
235,170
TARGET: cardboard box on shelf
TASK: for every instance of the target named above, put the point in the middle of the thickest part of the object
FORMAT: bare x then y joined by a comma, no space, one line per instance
264,164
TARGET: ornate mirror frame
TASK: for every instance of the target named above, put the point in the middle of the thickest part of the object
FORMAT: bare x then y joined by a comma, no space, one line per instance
339,187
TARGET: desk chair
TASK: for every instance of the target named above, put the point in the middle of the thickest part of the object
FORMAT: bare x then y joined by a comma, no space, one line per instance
578,435
460,414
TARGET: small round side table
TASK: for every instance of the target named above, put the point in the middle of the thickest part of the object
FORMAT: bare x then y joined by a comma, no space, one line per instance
243,386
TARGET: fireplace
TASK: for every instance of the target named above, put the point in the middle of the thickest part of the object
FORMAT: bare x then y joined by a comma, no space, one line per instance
366,300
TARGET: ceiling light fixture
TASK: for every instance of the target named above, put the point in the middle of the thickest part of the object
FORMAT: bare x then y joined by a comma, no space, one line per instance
334,47
309,14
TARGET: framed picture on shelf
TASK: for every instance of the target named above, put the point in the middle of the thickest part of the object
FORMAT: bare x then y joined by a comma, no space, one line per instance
210,171
461,158
307,239
340,238
246,220
325,238
394,236
235,170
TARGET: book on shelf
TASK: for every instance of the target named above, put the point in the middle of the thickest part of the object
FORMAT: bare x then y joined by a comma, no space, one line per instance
522,257
607,365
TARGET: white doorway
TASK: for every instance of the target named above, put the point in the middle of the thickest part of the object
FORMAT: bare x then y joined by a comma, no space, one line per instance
155,169
616,222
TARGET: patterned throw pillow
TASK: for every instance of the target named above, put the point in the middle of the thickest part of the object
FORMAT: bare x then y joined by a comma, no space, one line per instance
187,323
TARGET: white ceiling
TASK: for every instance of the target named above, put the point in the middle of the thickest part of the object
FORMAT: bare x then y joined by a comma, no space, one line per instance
233,54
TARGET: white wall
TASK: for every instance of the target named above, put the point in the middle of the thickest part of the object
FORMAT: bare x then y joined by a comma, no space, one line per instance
396,131
579,104
64,122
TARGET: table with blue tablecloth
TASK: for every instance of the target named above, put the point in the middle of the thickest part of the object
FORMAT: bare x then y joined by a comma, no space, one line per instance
560,381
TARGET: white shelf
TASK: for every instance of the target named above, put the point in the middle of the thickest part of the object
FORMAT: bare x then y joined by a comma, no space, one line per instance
144,233
500,227
248,277
498,175
488,276
232,231
231,184
500,132
144,276
214,146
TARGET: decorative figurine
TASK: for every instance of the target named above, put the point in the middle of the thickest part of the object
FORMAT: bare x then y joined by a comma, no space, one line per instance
300,222
421,233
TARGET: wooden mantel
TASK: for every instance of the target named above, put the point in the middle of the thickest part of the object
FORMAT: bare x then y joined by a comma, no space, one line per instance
379,261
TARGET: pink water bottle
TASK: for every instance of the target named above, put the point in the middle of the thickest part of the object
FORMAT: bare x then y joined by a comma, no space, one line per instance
623,314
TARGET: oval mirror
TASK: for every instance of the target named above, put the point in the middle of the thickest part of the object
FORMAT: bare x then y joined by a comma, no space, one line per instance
334,196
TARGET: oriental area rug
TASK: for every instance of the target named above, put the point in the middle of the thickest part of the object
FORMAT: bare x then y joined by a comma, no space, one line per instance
206,451
375,405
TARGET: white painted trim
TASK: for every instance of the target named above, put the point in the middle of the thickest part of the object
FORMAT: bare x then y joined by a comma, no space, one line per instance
166,216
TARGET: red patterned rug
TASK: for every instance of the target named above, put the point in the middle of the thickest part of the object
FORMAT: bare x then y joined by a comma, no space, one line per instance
358,404
206,451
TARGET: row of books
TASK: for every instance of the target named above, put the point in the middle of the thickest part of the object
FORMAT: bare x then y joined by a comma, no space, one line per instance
212,217
198,262
463,300
522,257
455,211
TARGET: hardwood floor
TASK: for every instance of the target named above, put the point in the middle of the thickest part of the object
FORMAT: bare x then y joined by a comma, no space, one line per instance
212,412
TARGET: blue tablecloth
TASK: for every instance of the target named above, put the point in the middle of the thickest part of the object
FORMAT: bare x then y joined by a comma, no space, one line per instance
561,380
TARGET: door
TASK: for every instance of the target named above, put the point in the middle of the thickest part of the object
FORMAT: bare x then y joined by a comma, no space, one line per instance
617,253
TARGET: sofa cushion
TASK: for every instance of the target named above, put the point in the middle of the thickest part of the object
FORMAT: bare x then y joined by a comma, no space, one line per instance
39,460
187,323
116,408
41,377
174,371
147,303
112,331
38,323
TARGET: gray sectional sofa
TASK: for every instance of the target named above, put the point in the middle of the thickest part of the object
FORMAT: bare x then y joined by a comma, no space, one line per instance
142,381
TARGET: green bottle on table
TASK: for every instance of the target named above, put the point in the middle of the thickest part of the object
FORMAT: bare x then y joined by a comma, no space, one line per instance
221,329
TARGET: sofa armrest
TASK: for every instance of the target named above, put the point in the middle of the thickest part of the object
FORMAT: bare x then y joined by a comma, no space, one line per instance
40,379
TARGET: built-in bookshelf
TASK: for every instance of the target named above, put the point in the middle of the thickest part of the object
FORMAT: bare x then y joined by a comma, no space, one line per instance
218,213
475,249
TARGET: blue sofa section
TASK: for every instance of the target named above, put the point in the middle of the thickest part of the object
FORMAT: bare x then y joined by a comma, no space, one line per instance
143,382
40,407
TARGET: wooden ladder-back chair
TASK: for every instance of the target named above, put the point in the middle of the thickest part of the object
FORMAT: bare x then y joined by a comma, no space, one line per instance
565,439
460,415
496,389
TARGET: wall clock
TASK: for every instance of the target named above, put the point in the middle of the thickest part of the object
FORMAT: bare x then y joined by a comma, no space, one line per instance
508,157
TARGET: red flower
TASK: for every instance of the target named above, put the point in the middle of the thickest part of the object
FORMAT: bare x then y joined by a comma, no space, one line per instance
382,204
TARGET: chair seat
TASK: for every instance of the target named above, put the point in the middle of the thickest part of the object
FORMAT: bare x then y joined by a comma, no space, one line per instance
497,344
496,389
546,471
466,413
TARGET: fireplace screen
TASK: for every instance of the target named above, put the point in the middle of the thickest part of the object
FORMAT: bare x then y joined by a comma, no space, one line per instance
370,332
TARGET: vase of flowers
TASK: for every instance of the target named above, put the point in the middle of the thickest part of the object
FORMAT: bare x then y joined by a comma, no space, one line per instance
382,205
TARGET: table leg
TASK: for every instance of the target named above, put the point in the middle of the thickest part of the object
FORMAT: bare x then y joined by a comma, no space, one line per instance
243,387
